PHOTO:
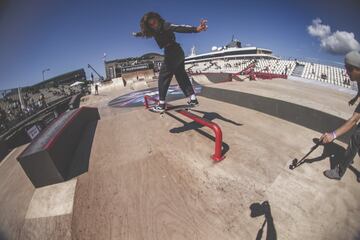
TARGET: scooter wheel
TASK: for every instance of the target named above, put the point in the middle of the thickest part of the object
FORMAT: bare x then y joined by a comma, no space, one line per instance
294,162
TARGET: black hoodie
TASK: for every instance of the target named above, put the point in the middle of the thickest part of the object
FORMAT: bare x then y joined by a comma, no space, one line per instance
165,38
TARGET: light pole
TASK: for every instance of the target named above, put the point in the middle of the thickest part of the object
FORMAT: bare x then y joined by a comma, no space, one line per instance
43,73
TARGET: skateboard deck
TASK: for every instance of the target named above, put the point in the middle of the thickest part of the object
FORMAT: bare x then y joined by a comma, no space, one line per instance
174,108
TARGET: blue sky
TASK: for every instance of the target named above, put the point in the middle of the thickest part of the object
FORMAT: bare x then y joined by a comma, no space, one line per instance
67,35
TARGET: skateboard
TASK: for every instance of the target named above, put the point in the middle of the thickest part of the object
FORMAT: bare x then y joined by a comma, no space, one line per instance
174,108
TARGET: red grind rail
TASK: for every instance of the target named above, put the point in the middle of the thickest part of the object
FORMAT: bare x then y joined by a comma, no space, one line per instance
217,156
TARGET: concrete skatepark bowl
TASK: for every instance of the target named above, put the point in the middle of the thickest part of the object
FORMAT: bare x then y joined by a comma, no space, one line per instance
151,178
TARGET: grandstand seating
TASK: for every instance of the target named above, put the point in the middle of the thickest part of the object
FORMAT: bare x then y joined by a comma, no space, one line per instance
326,74
10,103
313,71
230,66
275,66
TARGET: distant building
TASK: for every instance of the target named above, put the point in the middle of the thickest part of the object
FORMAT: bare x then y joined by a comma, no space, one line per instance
118,67
231,51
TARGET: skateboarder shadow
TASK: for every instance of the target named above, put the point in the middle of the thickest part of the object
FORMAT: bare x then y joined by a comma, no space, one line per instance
260,209
206,115
335,153
209,116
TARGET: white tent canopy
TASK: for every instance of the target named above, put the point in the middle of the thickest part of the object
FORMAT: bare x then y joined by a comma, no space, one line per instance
76,84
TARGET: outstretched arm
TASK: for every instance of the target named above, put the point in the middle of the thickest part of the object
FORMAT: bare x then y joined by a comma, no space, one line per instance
186,28
347,126
203,25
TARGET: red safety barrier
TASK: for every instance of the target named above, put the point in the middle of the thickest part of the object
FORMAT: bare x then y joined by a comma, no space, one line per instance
265,75
246,71
217,156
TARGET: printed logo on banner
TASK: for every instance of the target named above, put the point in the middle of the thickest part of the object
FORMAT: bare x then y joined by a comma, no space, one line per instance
33,131
136,99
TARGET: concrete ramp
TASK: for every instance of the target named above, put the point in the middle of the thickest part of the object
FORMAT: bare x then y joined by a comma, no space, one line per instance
50,212
153,83
117,83
218,77
240,78
137,75
211,78
151,177
201,79
138,85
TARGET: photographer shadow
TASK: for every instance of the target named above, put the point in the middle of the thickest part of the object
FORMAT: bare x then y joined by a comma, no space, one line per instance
263,209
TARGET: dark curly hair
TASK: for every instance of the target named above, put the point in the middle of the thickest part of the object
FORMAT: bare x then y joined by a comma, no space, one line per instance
146,30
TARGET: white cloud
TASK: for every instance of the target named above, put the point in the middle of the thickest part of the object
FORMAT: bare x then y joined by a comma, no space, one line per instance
316,29
339,42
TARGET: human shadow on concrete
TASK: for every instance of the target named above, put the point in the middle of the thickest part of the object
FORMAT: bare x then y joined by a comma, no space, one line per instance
2,235
214,115
263,209
80,162
357,174
209,116
197,127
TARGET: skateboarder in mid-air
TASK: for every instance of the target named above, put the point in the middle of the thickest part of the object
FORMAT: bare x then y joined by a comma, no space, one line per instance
153,25
352,65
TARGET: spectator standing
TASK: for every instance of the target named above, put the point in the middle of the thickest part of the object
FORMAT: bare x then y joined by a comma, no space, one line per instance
352,65
96,89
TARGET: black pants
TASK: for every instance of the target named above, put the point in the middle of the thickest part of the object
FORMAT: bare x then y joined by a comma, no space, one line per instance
165,76
351,151
174,65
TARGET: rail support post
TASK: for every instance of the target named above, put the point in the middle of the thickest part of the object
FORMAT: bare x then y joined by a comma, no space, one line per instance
217,156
